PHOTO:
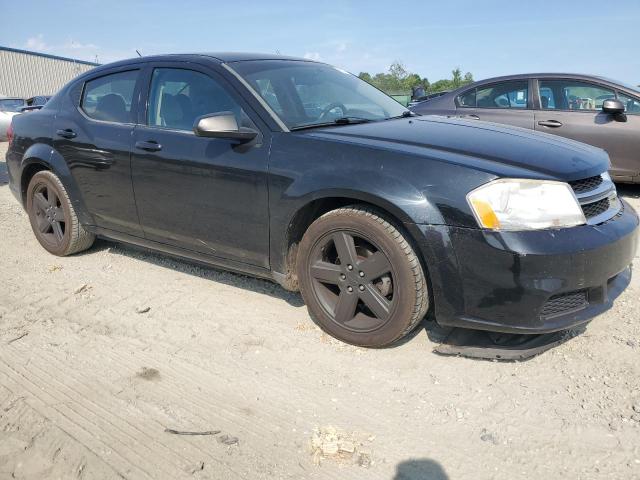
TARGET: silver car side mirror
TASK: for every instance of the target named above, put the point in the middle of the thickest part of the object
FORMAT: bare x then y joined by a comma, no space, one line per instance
222,125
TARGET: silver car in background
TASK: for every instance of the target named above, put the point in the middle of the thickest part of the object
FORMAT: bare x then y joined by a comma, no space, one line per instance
590,109
8,108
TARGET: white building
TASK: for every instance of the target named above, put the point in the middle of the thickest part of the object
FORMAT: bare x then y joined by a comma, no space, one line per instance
26,74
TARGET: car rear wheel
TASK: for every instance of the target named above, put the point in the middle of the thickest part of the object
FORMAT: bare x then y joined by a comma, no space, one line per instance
53,219
360,278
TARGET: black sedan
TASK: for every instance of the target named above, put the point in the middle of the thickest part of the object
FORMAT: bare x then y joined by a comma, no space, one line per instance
300,172
589,109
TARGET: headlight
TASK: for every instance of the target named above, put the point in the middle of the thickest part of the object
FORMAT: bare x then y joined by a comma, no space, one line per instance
512,204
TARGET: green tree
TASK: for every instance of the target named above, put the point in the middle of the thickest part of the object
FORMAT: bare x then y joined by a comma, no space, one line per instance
456,77
365,76
398,71
412,80
440,86
398,79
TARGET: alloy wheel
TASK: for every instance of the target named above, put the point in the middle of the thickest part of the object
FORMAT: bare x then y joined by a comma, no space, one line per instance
353,280
49,214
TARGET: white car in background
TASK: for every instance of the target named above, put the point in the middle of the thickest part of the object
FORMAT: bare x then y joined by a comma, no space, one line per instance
8,108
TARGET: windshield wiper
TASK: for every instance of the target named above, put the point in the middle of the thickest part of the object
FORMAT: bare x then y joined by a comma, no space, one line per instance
337,121
351,120
405,114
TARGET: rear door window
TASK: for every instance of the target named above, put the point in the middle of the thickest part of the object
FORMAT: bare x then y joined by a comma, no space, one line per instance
507,95
110,98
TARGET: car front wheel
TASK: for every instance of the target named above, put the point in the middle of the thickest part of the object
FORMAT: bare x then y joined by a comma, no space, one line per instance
360,278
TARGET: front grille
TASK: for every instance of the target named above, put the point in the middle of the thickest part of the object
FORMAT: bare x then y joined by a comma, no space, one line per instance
597,197
596,208
564,303
586,184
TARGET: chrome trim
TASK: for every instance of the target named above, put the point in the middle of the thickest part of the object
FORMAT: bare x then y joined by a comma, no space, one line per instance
606,189
258,97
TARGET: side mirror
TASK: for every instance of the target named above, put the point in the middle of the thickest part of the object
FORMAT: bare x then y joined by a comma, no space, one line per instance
615,108
612,106
222,125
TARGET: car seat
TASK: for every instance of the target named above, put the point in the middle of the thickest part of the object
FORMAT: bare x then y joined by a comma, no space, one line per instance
112,108
544,101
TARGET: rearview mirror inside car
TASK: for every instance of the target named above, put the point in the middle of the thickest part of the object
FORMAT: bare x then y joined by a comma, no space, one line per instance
616,108
222,125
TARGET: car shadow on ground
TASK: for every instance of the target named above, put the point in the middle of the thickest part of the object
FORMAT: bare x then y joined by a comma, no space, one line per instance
420,469
488,346
628,190
252,284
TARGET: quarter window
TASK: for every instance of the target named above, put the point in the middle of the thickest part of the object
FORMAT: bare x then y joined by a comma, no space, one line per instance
631,105
573,95
513,94
178,97
110,98
468,99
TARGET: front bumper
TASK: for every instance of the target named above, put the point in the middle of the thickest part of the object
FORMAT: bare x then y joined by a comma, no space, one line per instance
528,282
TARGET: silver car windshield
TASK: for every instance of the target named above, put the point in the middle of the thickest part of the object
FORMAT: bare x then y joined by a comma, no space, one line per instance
307,94
11,104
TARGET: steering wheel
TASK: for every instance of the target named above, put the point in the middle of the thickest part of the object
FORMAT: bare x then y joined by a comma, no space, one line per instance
330,107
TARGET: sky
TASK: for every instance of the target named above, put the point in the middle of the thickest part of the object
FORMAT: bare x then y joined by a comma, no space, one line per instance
487,38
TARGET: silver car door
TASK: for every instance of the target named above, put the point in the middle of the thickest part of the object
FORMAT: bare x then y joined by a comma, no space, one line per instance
573,109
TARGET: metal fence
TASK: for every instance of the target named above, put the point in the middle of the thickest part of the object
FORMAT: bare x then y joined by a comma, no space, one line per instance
26,74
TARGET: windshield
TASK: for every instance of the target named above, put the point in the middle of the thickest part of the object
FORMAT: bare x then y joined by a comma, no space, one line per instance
11,104
305,94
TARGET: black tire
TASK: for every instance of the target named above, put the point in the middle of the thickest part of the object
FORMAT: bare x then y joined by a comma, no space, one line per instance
53,219
386,306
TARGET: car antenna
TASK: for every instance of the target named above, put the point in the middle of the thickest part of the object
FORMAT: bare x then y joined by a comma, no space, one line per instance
139,54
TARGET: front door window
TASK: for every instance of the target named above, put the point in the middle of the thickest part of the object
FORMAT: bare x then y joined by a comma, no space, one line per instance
178,97
631,105
573,95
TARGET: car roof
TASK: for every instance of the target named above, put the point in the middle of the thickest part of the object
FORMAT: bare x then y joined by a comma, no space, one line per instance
216,57
522,76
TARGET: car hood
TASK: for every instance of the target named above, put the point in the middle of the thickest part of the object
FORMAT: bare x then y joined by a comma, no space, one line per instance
500,149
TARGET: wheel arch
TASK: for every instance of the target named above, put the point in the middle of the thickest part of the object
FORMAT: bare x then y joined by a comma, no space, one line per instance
317,205
40,157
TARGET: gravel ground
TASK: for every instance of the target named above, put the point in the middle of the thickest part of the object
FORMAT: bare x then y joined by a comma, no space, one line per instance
103,351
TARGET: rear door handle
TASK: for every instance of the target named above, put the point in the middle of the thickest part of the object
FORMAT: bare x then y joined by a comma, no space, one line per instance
66,133
149,146
550,123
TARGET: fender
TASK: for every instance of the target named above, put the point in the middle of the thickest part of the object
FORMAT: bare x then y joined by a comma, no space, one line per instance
400,199
45,155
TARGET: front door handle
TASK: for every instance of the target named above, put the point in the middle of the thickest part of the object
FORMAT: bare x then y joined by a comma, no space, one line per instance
149,146
472,116
550,123
66,133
